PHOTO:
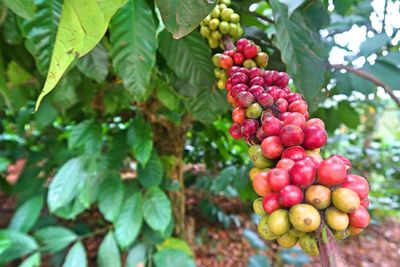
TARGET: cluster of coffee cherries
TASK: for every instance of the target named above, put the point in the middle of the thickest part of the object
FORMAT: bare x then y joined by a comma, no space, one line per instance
297,188
246,56
221,21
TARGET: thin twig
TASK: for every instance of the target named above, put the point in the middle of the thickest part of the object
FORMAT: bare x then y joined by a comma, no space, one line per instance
259,16
369,77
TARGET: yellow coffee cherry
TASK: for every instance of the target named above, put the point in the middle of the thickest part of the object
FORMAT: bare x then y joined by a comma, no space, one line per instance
234,30
206,20
216,12
216,35
213,24
235,18
205,31
226,14
213,43
224,27
221,84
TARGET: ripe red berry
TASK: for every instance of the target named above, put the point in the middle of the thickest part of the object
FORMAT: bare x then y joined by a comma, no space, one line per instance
225,62
269,77
365,202
249,127
290,195
238,58
240,44
314,137
315,122
239,77
281,80
255,72
244,99
250,51
358,184
345,160
285,164
278,179
271,203
291,97
256,90
271,126
260,134
236,89
284,115
331,172
360,218
239,115
233,70
271,147
291,135
295,118
257,81
265,100
230,53
281,104
235,131
260,184
303,173
298,106
294,153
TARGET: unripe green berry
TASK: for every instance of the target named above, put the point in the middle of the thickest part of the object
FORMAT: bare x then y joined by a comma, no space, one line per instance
217,73
248,63
213,43
235,18
206,20
215,59
262,60
216,35
234,30
213,24
226,14
223,76
240,31
227,2
224,27
216,12
222,6
205,31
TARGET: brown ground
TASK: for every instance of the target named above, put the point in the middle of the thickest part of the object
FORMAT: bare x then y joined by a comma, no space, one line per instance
379,245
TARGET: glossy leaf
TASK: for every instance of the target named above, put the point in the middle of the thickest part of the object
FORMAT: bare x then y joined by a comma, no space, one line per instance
137,256
342,6
348,115
55,238
193,63
27,214
86,134
180,17
292,5
31,261
298,45
81,27
151,174
95,64
108,254
156,209
23,8
140,138
129,221
76,256
110,197
133,47
14,244
173,258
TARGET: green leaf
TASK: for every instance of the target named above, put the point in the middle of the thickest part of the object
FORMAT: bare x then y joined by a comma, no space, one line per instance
95,64
65,185
259,260
140,138
76,256
137,256
108,252
348,115
373,44
27,214
129,221
175,243
299,45
292,5
391,58
193,63
55,238
23,8
167,95
133,47
82,25
110,196
386,72
10,31
86,134
173,258
4,164
156,209
151,174
180,17
31,261
40,32
342,6
208,105
14,244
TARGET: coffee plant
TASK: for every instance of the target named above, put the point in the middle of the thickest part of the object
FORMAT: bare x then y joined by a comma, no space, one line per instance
105,104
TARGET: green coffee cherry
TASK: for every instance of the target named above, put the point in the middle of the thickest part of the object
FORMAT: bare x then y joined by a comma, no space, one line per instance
215,59
215,13
213,24
235,18
226,14
248,63
216,35
213,43
205,31
224,27
234,30
206,20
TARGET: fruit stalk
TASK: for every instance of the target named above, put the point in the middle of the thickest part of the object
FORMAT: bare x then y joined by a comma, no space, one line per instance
330,254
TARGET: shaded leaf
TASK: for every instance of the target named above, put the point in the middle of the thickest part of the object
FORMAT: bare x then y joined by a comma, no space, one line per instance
140,138
151,174
86,134
175,243
342,6
23,8
348,115
386,72
76,256
95,64
137,256
55,238
14,244
173,258
110,196
373,44
27,214
81,27
31,261
180,17
292,5
156,209
108,254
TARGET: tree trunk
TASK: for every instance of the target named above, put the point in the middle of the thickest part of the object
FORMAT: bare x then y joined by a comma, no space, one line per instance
328,248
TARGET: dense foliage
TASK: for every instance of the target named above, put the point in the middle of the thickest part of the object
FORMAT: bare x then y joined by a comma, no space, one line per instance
123,106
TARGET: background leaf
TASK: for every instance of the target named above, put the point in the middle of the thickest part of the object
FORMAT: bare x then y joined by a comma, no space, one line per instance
133,47
86,134
55,238
180,17
31,261
140,138
108,254
76,256
27,214
156,209
17,245
95,64
111,194
137,256
129,221
173,258
151,174
23,8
